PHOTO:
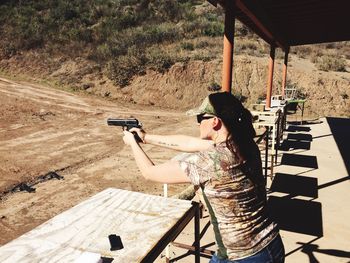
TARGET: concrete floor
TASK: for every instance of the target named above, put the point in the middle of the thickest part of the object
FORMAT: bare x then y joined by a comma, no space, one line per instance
309,195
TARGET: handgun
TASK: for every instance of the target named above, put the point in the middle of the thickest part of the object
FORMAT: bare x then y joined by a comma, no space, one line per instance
126,123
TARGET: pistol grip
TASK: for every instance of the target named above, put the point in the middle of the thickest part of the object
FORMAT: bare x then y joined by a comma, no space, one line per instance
137,138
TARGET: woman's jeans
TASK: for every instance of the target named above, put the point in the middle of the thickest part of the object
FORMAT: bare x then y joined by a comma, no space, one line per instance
273,253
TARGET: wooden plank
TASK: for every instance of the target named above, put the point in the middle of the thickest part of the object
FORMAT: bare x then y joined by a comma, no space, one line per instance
30,250
139,219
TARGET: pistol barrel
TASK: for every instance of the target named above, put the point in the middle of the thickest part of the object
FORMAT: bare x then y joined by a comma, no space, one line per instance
129,123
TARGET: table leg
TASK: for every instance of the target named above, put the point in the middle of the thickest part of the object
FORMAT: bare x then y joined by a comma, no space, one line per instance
197,234
266,151
302,113
278,138
167,253
272,166
273,145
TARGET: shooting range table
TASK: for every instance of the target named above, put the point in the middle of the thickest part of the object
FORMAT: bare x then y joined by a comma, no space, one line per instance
271,120
300,104
145,223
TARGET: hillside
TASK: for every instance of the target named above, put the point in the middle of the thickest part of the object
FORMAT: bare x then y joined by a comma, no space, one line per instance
140,52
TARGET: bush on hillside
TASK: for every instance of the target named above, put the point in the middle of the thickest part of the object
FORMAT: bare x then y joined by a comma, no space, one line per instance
159,60
214,86
106,31
331,63
187,46
302,51
135,62
249,46
124,67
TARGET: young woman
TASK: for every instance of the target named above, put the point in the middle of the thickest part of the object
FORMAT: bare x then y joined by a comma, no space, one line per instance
225,163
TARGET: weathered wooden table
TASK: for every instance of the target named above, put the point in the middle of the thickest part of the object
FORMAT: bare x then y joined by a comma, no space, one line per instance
145,223
271,120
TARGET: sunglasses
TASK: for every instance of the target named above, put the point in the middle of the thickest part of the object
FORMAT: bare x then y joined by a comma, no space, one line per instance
201,117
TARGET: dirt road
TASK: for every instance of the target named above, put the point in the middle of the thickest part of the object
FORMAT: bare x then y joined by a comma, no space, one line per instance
50,134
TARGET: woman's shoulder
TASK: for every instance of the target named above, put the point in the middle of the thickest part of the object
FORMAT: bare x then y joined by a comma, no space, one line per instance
204,157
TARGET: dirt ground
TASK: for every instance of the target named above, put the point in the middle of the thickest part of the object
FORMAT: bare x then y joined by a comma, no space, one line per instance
47,134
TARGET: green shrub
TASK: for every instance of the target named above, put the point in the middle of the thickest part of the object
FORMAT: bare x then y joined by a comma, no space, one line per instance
202,44
314,56
108,31
241,30
248,44
169,10
117,45
159,60
203,56
331,63
214,86
192,28
123,68
101,53
302,51
187,46
213,29
8,50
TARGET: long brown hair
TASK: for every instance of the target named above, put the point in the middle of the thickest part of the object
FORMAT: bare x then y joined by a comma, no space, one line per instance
240,140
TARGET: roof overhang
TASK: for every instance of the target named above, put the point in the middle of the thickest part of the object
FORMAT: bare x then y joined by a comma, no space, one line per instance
285,23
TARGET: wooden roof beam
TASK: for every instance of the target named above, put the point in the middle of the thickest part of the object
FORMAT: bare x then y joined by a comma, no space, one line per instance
260,25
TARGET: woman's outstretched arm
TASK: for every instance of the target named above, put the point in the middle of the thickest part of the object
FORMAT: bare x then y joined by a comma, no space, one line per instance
182,143
168,172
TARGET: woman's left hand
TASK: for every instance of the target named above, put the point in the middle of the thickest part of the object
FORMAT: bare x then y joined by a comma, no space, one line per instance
128,138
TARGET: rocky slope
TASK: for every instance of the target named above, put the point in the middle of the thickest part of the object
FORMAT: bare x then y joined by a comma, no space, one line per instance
185,84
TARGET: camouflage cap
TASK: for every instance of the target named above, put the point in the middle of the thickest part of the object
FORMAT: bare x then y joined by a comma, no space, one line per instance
205,107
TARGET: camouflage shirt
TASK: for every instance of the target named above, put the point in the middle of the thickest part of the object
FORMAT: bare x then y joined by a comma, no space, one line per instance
237,208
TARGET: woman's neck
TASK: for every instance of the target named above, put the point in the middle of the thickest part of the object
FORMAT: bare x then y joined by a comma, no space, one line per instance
219,137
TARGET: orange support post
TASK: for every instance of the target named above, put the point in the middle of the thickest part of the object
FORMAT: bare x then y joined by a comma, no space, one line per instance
270,77
228,46
284,76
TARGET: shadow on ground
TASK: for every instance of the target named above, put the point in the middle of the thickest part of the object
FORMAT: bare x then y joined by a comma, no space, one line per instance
294,211
306,161
296,128
311,250
291,212
295,185
297,215
340,128
288,145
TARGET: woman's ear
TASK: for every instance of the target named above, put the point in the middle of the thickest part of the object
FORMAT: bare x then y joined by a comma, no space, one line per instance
216,124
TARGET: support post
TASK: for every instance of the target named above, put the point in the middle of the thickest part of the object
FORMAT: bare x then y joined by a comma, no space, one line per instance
284,76
270,76
228,46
